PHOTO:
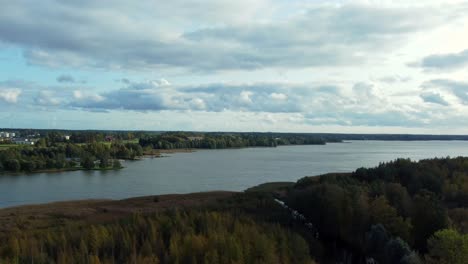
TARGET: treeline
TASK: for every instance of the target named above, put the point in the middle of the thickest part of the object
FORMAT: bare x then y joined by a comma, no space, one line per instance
398,212
170,237
67,156
175,140
78,136
88,136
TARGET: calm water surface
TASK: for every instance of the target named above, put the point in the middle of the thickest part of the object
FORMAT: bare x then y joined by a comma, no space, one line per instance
205,170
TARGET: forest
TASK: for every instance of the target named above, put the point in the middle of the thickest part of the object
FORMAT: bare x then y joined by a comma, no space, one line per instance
88,136
177,140
67,156
170,237
398,212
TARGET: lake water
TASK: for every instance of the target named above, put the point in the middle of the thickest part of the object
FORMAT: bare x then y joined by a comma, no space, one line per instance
205,170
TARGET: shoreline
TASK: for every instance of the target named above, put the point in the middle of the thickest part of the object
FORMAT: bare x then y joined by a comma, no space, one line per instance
263,187
57,171
96,201
156,152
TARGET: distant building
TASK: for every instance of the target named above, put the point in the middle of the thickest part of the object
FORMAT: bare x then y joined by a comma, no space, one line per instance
24,141
66,137
4,134
109,138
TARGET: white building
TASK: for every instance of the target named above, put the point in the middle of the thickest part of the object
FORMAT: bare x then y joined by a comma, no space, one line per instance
24,141
4,134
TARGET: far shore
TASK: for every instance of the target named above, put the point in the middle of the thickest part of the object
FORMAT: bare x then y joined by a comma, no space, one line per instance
165,151
59,170
158,153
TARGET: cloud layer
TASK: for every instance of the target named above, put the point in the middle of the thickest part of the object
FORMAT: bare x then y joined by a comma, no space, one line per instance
266,64
361,104
94,35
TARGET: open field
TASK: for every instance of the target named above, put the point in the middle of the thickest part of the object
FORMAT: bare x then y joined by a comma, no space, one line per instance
134,141
6,146
107,143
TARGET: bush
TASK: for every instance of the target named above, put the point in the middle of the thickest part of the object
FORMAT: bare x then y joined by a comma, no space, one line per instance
13,165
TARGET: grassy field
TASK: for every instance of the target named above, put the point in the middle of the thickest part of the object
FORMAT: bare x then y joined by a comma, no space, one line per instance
6,146
103,142
108,143
135,141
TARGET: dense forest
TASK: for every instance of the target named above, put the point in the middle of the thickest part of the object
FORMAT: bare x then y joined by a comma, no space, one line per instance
170,237
66,156
173,140
398,212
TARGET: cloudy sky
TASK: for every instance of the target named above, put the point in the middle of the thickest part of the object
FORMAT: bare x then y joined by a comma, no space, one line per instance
222,65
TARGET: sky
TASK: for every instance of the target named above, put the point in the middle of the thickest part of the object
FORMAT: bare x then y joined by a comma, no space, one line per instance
374,66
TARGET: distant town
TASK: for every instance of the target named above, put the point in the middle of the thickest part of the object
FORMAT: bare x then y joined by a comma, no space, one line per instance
14,138
22,137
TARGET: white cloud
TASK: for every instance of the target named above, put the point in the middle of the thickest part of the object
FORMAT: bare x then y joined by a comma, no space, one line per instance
10,95
82,96
361,104
159,83
198,104
278,96
48,98
244,97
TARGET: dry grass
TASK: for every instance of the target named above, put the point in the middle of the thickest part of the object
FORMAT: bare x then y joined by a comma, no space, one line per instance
57,214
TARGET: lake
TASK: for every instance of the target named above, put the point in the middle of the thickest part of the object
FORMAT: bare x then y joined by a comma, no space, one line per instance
206,170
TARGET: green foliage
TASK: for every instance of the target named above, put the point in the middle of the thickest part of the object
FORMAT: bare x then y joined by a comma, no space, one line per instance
116,164
396,249
376,240
459,219
87,162
429,215
62,156
177,140
12,165
171,237
448,247
410,200
382,212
